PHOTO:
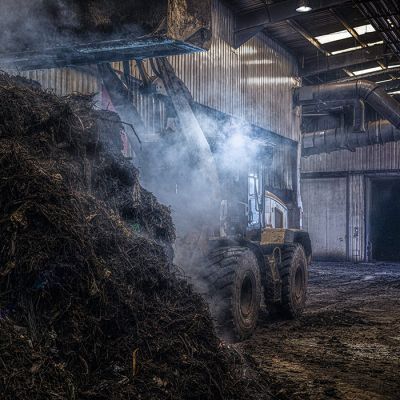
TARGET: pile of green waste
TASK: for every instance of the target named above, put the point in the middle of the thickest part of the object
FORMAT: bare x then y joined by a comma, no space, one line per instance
91,306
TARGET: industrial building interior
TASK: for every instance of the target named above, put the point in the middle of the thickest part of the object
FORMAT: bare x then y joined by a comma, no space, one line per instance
200,199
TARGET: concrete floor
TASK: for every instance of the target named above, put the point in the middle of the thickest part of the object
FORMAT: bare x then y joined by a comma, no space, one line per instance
347,343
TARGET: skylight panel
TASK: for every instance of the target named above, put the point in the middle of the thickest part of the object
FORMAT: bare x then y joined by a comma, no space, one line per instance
355,48
366,71
375,43
363,29
346,50
340,35
333,37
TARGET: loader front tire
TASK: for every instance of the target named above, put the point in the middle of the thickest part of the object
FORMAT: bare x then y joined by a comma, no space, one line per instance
234,291
294,276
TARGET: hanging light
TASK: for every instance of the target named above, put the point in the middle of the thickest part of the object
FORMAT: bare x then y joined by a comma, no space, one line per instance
303,6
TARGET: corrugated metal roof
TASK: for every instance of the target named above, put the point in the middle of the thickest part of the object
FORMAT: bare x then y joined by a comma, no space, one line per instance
317,24
325,21
291,39
245,6
313,24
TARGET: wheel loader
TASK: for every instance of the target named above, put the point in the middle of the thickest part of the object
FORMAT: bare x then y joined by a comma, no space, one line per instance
245,261
242,253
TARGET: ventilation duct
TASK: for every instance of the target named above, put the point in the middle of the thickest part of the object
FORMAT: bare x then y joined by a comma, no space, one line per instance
360,134
376,132
369,92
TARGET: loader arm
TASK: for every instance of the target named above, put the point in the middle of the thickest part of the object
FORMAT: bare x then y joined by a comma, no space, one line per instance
181,100
121,101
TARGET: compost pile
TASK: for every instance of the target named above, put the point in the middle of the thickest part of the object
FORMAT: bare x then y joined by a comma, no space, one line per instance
90,305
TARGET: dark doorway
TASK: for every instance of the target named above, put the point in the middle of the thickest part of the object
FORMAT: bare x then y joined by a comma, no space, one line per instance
385,219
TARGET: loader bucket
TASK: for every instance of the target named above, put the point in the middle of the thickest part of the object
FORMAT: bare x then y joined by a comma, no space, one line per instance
57,33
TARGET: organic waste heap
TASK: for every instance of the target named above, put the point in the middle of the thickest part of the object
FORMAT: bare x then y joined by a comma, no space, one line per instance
90,305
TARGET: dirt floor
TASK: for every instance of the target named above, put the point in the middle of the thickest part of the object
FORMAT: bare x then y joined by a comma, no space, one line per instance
345,346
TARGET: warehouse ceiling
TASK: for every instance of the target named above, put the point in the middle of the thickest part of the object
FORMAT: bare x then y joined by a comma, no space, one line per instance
337,40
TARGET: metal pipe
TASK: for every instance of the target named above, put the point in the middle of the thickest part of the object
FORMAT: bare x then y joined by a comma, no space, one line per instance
369,92
359,116
376,132
357,105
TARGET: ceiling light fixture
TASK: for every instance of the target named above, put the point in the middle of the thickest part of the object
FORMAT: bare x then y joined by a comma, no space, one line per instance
303,6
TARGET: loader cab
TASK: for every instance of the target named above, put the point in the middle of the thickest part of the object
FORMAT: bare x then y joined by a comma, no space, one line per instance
242,186
276,212
265,209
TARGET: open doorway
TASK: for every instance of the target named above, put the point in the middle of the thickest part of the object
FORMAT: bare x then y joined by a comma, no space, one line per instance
384,223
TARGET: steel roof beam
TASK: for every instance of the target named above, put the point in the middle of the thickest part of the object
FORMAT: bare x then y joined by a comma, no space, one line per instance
249,24
343,60
392,85
368,75
352,32
297,27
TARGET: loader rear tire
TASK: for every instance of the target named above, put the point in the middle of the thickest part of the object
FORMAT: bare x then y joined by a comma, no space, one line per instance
294,276
234,291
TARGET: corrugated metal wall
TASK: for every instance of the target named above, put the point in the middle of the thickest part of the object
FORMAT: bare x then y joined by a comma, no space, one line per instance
64,81
357,165
254,82
357,220
325,215
334,215
377,157
281,174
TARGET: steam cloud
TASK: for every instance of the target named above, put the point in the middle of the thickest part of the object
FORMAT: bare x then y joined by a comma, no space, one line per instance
179,180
